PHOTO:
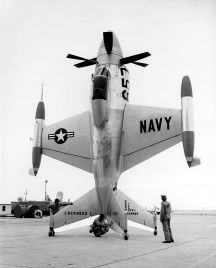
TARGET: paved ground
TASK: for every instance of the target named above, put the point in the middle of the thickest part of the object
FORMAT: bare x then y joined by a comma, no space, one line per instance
25,243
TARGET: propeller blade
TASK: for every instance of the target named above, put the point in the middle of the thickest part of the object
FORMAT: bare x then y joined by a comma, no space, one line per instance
133,58
108,41
86,63
74,57
140,64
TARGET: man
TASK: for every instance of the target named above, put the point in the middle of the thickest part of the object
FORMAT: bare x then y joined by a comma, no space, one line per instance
55,207
165,219
99,226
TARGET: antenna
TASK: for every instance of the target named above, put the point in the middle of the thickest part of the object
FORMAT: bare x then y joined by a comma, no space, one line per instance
42,92
25,194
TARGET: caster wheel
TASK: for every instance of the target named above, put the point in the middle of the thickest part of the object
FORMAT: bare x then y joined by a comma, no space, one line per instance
51,233
155,232
126,236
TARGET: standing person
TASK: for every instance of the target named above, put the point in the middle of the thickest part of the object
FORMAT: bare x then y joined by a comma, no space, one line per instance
54,208
57,204
99,226
165,219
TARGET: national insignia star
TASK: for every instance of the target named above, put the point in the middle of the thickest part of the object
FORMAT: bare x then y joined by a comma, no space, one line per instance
61,135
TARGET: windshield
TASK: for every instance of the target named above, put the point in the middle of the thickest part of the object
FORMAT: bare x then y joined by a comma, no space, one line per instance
100,82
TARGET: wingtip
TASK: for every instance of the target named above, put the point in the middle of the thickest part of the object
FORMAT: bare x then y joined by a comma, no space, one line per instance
32,172
189,163
195,162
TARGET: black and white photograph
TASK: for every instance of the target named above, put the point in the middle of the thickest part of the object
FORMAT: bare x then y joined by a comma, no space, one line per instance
108,149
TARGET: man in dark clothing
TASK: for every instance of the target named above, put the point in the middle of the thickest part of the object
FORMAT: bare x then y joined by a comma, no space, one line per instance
165,219
55,207
99,226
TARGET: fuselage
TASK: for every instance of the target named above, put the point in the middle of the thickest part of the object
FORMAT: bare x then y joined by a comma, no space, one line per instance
109,95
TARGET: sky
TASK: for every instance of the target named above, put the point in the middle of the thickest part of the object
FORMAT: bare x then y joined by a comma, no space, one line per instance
37,35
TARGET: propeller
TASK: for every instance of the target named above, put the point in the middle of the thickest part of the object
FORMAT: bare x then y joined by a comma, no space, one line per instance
108,41
140,64
132,59
84,63
74,57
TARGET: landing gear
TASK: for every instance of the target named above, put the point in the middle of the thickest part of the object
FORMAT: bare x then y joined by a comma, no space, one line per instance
155,232
51,232
125,235
155,222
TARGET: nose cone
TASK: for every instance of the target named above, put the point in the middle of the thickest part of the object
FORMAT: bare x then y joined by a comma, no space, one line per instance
110,50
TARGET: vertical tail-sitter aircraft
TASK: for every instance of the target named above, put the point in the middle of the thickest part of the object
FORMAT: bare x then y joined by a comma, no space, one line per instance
112,137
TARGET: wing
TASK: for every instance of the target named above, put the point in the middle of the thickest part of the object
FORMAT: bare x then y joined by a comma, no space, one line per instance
69,141
148,131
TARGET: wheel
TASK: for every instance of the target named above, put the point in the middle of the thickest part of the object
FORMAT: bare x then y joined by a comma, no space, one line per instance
38,214
126,236
51,233
155,232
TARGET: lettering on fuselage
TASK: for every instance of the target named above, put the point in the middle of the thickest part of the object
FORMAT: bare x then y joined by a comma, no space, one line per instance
130,211
125,95
125,83
76,213
154,124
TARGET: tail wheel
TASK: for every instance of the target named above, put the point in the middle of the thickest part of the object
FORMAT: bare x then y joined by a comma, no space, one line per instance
51,233
155,232
126,236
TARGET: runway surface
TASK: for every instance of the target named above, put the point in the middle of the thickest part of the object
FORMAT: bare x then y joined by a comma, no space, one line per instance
25,243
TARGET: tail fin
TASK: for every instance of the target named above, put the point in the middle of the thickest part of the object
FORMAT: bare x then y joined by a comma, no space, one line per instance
114,226
134,211
118,219
84,207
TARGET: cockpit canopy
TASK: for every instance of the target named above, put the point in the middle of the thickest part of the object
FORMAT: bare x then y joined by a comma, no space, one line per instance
100,84
102,71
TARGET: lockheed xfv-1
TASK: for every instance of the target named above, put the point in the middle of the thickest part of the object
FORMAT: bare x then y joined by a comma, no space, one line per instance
112,137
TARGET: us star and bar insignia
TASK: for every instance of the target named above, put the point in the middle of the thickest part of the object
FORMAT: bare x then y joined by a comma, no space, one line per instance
61,135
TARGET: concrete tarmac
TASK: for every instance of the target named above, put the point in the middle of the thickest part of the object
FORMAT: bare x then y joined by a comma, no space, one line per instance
25,243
